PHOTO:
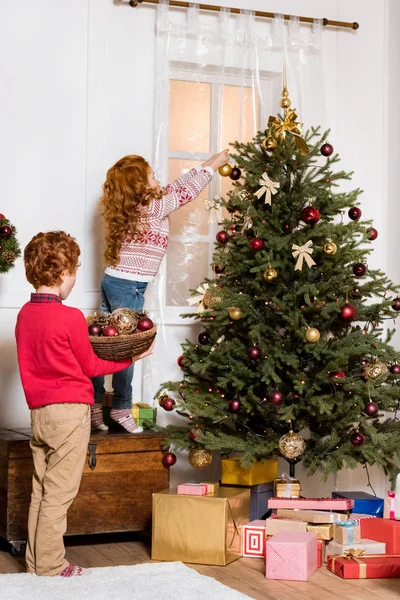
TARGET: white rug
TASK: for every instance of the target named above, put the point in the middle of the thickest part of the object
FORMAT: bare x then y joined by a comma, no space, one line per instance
148,581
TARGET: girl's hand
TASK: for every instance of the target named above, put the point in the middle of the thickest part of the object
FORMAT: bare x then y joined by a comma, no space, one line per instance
218,160
148,352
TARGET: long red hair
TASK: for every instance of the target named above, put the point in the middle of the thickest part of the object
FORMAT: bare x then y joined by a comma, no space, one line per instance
126,191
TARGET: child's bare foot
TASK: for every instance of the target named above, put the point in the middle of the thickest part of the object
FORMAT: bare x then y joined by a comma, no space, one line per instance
71,571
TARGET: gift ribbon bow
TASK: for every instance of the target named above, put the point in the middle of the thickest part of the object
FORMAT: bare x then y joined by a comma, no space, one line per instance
303,253
357,556
142,405
351,553
392,497
199,298
268,187
214,209
289,125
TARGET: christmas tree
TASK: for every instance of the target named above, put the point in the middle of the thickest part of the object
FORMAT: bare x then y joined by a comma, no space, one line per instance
9,246
293,322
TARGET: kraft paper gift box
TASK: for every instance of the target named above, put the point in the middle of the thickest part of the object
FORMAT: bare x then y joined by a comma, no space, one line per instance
260,472
253,539
333,504
192,489
324,531
143,412
347,532
368,546
382,530
199,529
311,516
212,486
287,487
365,567
363,502
274,525
292,556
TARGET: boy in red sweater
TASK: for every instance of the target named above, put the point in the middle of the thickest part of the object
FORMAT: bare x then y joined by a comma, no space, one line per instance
56,362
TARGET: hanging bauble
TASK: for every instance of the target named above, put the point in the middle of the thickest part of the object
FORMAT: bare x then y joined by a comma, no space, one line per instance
2,217
396,304
310,215
98,317
330,248
354,213
5,231
371,409
180,362
348,312
270,143
235,313
94,329
372,234
168,459
292,445
125,320
168,404
200,457
212,297
270,274
110,331
338,377
218,269
357,439
256,244
359,269
203,338
222,237
225,170
144,324
234,405
326,149
395,369
235,174
276,397
254,353
374,370
312,335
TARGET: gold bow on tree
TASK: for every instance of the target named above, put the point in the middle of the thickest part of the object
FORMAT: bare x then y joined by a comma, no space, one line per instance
199,299
214,208
268,187
303,253
289,125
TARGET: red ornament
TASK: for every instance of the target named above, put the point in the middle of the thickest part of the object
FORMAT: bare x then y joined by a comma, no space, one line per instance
94,329
359,269
354,213
310,215
110,331
218,269
145,324
395,369
181,362
2,217
168,404
235,174
168,459
371,409
357,439
338,377
276,397
193,434
326,149
5,231
372,234
254,353
222,237
348,312
203,338
234,405
256,244
396,304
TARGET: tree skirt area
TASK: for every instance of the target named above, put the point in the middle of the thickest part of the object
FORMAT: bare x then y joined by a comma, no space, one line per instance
166,581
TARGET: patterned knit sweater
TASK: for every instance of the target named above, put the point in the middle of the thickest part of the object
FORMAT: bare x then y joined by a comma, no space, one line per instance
140,259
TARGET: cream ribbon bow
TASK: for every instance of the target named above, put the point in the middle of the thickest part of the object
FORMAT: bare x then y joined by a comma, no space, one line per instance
199,298
303,253
214,209
268,187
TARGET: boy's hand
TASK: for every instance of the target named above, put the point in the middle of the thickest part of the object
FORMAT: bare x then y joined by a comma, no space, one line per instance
218,160
148,352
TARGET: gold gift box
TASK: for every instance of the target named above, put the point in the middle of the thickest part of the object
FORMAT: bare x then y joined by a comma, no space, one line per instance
260,472
199,529
324,531
287,489
212,486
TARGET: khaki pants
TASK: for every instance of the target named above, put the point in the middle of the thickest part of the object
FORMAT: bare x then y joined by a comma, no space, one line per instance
60,437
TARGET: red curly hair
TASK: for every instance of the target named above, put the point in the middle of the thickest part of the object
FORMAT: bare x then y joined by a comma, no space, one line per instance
48,256
126,191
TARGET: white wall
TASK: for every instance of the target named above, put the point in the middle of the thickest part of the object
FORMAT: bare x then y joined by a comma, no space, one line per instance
78,93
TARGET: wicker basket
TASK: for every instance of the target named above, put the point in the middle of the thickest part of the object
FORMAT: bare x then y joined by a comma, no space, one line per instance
122,346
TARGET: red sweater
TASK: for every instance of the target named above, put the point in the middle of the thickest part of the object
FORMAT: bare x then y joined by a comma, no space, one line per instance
55,357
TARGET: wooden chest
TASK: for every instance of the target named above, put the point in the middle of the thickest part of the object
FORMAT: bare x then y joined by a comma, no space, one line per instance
121,473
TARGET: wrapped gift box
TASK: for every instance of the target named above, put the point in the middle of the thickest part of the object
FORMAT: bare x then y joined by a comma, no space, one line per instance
324,531
260,472
253,539
259,495
199,529
311,516
312,503
382,530
347,532
275,524
368,546
363,502
212,487
389,506
192,489
143,412
365,567
291,556
320,553
287,487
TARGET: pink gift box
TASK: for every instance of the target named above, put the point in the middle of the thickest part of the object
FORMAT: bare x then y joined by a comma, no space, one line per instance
192,489
292,556
253,539
312,503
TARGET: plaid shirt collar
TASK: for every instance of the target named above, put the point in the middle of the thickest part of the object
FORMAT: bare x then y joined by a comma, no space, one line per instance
39,298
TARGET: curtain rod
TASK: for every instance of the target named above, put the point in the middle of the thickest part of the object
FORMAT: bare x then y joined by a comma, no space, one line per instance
258,13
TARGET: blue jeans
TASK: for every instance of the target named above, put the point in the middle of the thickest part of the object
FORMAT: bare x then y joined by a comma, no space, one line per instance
119,293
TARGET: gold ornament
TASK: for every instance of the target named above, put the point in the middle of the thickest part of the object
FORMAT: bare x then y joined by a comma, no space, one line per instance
289,125
225,170
292,444
270,274
235,313
200,457
375,370
312,335
125,320
98,317
270,143
212,297
330,248
162,398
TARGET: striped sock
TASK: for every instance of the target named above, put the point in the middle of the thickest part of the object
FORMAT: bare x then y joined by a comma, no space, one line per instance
71,571
125,418
97,417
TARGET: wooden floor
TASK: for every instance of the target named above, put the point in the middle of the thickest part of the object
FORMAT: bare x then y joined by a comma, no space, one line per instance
245,575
